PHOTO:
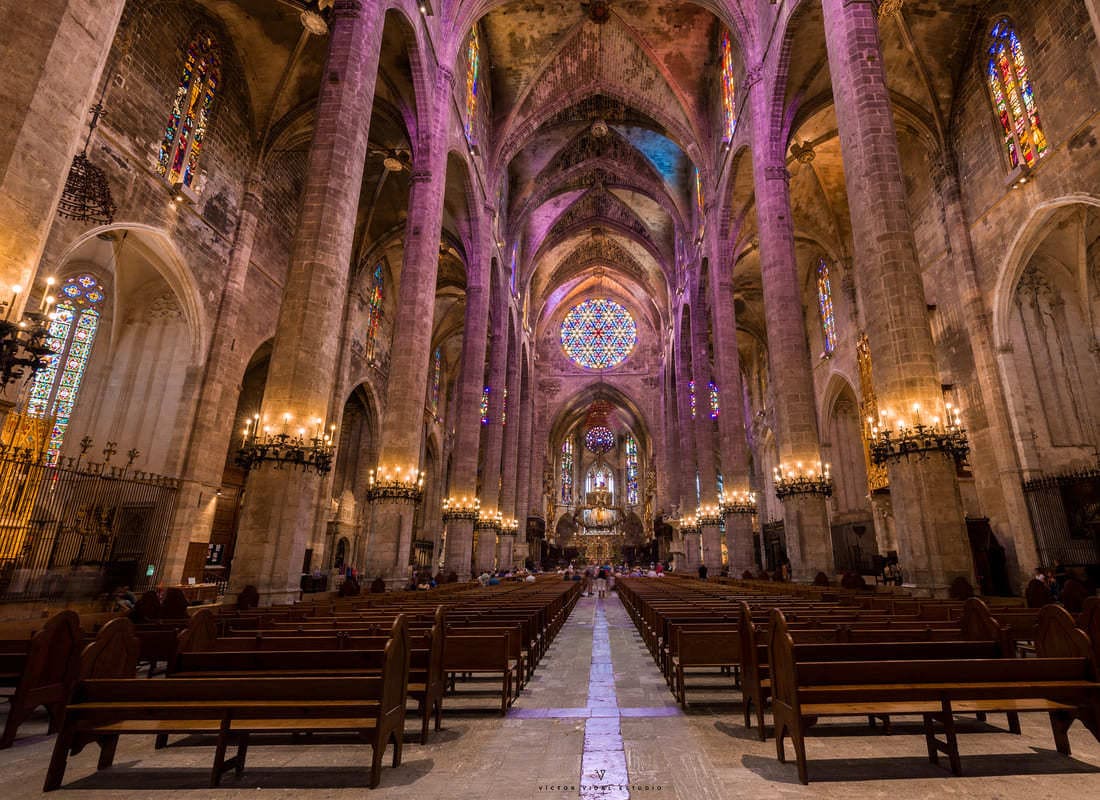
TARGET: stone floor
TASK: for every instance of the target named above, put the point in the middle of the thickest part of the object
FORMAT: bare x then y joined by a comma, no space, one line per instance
597,722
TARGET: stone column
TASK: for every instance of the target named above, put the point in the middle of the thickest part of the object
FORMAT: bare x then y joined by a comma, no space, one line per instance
471,379
733,445
410,357
212,429
510,457
705,430
997,437
692,552
805,517
280,505
494,438
536,498
507,550
689,496
524,472
52,59
933,545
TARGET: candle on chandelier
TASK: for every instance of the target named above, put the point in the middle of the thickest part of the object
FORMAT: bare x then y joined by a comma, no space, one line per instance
15,290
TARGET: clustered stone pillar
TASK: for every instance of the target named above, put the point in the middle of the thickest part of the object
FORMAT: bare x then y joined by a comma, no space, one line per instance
213,425
524,471
464,453
732,440
704,434
402,433
53,57
933,545
805,518
689,495
279,506
997,436
493,444
510,457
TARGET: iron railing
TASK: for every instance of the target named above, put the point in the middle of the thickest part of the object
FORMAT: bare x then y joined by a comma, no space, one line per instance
76,529
1065,514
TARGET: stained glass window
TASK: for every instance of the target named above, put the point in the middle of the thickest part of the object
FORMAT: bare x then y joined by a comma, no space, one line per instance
700,204
729,90
189,120
485,406
598,334
1014,96
825,305
374,320
473,70
631,471
72,334
437,375
691,398
567,471
515,258
599,439
715,404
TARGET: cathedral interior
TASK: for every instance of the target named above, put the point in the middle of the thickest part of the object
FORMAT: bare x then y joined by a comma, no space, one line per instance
302,291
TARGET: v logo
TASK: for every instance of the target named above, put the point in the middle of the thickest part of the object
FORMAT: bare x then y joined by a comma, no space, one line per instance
599,773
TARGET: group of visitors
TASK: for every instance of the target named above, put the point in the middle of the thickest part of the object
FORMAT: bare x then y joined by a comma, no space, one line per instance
599,579
1053,578
487,578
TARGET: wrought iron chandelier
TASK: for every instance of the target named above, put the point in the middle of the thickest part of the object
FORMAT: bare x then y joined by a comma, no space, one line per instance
738,503
87,194
261,446
396,483
709,516
455,508
920,439
800,480
24,343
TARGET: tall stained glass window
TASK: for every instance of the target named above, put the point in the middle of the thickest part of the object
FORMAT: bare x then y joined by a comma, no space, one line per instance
598,334
825,305
189,119
473,75
1014,97
729,90
437,376
485,406
691,398
72,334
631,471
700,204
567,471
715,402
374,318
512,274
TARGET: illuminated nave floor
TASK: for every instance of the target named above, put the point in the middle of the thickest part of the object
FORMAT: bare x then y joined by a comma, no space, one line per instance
597,721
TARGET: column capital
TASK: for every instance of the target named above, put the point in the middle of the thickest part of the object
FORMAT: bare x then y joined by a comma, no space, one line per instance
446,76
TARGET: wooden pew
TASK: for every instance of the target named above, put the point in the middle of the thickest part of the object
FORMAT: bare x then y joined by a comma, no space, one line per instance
103,709
324,656
41,671
481,654
717,648
1061,681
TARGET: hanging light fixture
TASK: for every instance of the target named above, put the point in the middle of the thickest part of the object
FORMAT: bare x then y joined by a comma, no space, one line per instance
87,194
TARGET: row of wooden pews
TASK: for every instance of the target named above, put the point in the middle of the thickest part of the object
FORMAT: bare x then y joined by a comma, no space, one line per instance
813,654
240,674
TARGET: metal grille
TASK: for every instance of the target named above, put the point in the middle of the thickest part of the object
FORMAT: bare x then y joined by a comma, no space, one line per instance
77,529
1065,514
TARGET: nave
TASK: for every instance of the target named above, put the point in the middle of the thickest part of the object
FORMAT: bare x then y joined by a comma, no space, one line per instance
597,717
